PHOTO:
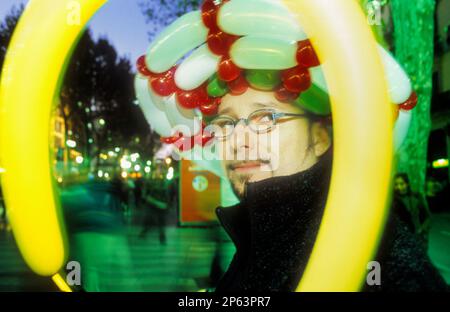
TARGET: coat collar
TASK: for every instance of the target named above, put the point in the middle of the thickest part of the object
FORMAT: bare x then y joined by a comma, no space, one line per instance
278,205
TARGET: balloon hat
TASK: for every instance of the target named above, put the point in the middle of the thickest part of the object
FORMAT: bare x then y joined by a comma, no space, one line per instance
237,45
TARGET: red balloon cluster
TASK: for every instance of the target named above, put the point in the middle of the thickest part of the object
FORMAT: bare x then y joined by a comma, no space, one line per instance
227,70
238,86
164,84
193,98
296,79
209,13
306,56
220,42
410,103
210,8
284,95
142,67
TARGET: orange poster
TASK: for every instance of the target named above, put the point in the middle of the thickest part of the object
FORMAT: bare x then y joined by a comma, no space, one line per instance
199,195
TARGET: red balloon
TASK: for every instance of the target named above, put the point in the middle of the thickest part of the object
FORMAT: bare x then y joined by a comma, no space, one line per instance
296,79
164,84
193,98
306,56
219,42
284,95
142,67
210,108
228,71
238,86
410,103
209,14
170,140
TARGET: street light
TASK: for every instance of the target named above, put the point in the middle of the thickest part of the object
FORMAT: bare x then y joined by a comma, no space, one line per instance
125,164
71,143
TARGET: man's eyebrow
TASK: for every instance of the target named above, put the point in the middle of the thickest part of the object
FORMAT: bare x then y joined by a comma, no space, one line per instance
226,111
265,105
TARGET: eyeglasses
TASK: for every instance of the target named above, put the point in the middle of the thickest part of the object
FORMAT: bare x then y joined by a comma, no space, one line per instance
260,121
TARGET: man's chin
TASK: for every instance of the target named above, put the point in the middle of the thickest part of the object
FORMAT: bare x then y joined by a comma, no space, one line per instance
239,182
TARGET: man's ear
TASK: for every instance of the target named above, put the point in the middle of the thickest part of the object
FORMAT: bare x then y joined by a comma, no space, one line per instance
321,138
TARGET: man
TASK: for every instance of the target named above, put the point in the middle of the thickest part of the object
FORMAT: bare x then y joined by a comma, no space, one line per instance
275,224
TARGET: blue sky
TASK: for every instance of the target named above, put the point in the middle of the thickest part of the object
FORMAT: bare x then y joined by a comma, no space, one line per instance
119,20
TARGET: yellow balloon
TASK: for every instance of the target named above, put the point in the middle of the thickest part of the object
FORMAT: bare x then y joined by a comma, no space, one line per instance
362,159
356,207
34,65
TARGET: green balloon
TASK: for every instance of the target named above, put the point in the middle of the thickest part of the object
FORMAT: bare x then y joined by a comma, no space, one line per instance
264,80
259,17
264,52
217,87
315,100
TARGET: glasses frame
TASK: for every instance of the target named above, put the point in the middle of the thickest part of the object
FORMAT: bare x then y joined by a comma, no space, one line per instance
275,117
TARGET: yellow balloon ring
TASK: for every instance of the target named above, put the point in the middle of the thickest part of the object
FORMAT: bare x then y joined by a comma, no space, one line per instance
362,125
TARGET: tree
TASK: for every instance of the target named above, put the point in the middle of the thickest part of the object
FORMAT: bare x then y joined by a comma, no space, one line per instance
6,30
416,54
98,94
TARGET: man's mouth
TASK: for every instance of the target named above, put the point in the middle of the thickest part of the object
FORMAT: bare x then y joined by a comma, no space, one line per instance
245,166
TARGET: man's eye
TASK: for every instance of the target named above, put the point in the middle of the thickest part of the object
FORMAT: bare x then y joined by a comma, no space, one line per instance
262,118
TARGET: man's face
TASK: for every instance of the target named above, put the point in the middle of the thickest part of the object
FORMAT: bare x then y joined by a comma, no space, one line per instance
293,145
400,186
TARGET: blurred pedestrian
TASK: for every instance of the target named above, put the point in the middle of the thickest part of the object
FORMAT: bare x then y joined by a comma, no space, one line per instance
411,207
155,199
437,195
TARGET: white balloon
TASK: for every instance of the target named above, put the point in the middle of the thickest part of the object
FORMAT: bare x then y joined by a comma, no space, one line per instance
399,84
181,119
197,68
180,37
154,116
401,128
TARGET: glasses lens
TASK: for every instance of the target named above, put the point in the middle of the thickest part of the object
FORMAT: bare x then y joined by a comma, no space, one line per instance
261,120
221,127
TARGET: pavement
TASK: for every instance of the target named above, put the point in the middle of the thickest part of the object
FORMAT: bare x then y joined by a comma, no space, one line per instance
128,262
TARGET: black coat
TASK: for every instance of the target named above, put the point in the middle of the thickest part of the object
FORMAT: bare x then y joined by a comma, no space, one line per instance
274,228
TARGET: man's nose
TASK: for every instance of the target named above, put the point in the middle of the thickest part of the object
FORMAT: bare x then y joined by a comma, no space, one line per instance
241,136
